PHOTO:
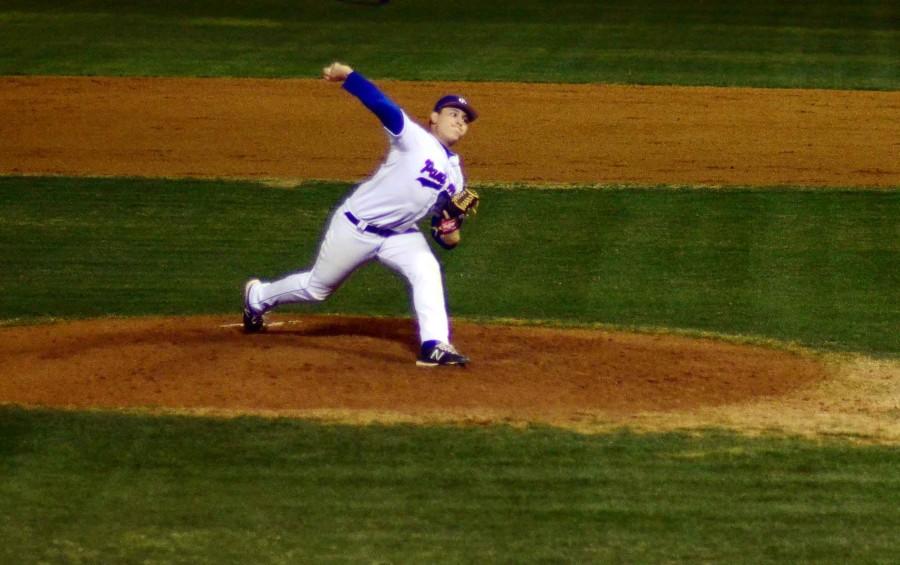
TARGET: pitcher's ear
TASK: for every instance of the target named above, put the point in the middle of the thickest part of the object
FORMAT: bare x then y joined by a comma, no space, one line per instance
434,117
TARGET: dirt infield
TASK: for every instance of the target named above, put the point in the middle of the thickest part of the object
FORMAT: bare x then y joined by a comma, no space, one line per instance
361,370
301,129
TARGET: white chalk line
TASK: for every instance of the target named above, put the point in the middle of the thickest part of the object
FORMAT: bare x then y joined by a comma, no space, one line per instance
268,325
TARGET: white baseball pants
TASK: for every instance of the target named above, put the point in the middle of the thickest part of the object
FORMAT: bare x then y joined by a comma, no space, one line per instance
345,248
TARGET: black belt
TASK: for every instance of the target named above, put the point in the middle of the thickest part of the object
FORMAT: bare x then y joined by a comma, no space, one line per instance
383,232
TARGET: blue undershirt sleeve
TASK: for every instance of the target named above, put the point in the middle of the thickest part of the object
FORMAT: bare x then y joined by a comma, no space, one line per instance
386,109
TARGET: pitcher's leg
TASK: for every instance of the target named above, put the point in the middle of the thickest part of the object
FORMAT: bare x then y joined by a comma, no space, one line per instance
343,249
409,255
298,287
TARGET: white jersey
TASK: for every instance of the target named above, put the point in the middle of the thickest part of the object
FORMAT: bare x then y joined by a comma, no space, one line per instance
416,172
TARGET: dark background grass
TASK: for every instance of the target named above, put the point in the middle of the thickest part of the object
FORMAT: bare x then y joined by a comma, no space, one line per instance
801,44
816,267
99,487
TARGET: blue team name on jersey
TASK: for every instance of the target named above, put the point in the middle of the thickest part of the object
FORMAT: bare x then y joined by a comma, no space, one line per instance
436,178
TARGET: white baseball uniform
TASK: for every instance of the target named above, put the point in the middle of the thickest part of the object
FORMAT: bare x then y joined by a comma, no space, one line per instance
378,221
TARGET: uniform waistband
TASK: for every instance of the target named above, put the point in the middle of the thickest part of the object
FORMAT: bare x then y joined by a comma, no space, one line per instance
383,232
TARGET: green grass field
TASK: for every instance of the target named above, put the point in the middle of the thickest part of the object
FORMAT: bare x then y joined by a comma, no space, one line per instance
89,488
814,267
807,266
825,44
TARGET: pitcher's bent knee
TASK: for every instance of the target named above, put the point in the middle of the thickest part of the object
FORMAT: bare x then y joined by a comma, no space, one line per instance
318,293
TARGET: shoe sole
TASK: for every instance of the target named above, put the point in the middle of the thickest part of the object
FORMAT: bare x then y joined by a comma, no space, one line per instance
431,364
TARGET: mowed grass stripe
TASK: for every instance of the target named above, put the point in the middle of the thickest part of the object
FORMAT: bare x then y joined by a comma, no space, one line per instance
830,45
118,488
812,267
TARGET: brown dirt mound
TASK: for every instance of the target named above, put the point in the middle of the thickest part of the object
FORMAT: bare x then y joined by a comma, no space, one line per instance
333,363
361,370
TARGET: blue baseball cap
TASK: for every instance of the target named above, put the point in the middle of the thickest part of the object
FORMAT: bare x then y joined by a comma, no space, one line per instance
456,101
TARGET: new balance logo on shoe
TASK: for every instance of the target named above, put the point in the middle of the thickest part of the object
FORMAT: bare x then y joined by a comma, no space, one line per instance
440,354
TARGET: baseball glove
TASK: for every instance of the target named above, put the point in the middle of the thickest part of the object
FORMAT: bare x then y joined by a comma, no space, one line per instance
463,203
445,225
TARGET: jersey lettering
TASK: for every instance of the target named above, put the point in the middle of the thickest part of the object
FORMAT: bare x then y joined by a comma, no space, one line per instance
432,172
417,172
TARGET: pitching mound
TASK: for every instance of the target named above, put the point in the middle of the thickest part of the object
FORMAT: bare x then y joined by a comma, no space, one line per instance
340,363
362,370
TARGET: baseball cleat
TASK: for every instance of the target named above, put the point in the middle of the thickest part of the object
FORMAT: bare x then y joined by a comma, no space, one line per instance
436,354
253,322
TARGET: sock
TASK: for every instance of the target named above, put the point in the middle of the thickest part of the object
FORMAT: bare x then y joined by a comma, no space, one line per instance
428,345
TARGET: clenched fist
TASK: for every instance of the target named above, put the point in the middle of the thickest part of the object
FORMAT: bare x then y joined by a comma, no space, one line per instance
336,72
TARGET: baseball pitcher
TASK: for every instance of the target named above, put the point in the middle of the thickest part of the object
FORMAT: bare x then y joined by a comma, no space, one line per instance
420,177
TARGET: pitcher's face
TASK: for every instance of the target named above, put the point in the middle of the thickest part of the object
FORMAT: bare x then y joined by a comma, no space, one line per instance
449,125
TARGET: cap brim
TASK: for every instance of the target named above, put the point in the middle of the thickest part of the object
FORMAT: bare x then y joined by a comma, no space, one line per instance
473,115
